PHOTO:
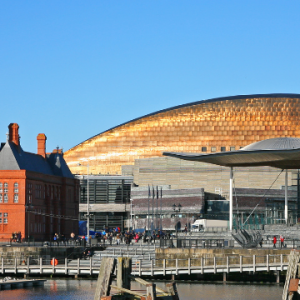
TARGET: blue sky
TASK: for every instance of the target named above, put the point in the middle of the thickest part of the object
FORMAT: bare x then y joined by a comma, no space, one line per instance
72,69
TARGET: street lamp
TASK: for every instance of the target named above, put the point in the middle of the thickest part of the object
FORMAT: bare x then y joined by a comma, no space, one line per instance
27,206
87,203
131,223
176,209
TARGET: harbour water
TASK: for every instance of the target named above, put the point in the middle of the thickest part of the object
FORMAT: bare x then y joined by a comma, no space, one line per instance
84,290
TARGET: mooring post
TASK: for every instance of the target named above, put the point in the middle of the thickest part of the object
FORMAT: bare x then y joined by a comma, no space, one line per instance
66,265
151,291
241,264
215,265
124,271
278,277
41,265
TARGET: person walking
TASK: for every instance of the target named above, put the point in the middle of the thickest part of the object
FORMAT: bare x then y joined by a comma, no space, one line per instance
274,241
281,241
110,239
118,238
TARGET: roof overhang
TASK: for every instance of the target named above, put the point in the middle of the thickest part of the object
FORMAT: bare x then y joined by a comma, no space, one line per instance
283,159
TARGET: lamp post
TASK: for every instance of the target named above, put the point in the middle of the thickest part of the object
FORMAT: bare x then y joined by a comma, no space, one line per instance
176,209
87,203
27,206
131,222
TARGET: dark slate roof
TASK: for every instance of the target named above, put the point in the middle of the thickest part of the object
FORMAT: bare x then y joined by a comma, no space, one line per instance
58,165
13,157
283,153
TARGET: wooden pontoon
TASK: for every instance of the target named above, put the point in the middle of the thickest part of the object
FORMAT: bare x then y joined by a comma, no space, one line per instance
106,291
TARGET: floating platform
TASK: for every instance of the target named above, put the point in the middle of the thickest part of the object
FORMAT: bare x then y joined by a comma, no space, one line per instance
20,283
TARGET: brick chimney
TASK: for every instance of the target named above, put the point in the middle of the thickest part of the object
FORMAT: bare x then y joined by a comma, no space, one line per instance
41,144
14,133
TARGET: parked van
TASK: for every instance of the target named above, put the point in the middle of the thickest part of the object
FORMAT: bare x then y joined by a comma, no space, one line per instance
207,225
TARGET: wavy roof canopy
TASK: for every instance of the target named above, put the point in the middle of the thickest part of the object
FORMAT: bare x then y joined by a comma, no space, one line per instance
283,153
212,125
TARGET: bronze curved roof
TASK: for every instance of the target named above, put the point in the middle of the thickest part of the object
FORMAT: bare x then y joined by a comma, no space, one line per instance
283,153
211,125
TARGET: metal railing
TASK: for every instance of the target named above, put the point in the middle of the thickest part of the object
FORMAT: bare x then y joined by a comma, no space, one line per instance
203,264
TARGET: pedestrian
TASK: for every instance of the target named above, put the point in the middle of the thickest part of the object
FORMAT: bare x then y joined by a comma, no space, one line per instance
118,239
274,241
281,241
110,239
261,242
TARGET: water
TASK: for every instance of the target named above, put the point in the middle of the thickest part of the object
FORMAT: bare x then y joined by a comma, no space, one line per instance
85,289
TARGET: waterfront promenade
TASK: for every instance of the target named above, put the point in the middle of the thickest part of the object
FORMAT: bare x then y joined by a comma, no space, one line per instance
146,262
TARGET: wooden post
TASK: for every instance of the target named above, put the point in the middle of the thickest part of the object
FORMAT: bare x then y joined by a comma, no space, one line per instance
224,276
254,263
172,290
277,276
151,291
28,270
41,265
215,266
281,262
104,277
78,266
66,265
15,265
227,263
201,264
91,265
164,266
2,265
241,264
140,267
124,271
268,266
189,266
151,267
176,267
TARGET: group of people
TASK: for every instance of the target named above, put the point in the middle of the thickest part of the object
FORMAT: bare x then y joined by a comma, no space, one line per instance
130,236
16,237
281,238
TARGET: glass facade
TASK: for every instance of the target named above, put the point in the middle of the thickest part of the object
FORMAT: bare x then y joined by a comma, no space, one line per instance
105,191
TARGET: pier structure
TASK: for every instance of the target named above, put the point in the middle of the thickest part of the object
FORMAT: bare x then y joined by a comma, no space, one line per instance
158,262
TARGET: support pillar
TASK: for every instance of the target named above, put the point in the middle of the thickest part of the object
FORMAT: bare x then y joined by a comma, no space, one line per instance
231,199
286,197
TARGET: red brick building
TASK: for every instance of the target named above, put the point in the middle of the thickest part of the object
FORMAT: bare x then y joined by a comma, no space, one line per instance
38,193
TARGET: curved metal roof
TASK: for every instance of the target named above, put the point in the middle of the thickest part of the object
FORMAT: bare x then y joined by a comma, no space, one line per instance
283,153
230,98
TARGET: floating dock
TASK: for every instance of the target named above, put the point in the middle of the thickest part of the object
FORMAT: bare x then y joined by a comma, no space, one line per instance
20,283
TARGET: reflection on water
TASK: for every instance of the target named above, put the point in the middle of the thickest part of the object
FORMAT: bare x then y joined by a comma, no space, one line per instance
84,289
